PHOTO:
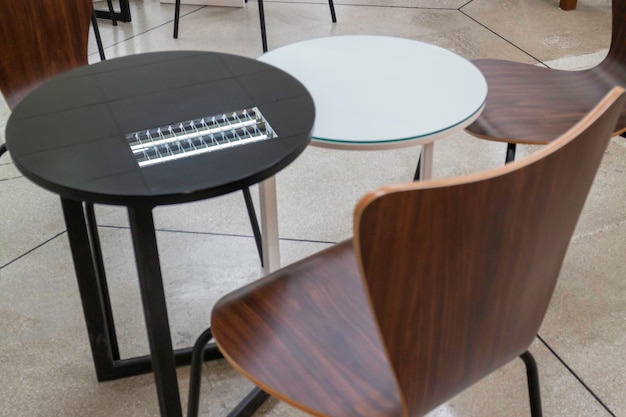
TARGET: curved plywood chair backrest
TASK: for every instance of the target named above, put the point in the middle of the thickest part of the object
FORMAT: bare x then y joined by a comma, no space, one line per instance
40,38
460,272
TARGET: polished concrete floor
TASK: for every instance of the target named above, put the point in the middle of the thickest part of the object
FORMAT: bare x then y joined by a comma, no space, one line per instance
206,247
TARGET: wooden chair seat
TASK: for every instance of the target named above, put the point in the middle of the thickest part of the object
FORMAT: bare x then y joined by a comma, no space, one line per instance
443,283
528,104
316,307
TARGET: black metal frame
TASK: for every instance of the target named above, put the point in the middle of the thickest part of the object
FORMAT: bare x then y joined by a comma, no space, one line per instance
254,223
245,408
418,170
92,284
510,152
96,32
532,376
88,264
123,15
261,20
257,396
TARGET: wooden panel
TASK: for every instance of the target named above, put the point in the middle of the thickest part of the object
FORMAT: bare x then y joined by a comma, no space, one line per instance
460,272
305,334
41,38
534,105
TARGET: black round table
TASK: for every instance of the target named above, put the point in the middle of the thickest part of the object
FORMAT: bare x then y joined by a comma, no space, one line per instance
148,130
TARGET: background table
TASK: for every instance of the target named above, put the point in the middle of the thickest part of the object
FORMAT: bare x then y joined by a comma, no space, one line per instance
70,137
377,92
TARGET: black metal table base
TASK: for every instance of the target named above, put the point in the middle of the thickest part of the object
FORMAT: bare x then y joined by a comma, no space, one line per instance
250,403
92,284
138,365
108,174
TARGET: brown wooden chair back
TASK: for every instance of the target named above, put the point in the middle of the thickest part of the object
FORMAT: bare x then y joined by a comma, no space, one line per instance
460,272
40,39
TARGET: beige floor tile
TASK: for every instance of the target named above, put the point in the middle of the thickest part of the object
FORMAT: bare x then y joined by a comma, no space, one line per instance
504,393
45,352
543,30
30,216
586,321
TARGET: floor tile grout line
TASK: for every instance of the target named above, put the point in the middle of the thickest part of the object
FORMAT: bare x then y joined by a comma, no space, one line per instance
501,37
153,28
222,234
575,375
384,6
33,249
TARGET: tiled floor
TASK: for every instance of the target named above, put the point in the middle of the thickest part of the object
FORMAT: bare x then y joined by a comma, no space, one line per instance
45,363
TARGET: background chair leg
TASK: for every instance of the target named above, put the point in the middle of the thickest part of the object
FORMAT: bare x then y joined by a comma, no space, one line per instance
262,22
112,12
532,375
332,11
418,170
510,152
253,222
3,149
96,31
176,18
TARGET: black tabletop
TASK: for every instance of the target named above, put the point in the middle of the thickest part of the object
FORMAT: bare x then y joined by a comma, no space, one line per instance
73,134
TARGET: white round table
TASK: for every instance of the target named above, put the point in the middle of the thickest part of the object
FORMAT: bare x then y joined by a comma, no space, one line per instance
378,92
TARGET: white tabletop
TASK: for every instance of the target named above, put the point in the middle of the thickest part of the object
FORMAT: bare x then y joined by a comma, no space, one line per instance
383,92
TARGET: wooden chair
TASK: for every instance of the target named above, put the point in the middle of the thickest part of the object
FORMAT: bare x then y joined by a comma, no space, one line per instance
528,104
36,49
567,4
46,38
443,283
261,19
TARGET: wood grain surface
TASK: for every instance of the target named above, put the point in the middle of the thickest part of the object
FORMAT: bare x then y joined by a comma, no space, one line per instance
40,39
533,105
448,280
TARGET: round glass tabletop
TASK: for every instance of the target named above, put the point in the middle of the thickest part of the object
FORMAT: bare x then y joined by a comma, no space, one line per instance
382,92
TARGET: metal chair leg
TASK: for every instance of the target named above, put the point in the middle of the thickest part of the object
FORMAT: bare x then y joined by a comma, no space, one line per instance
253,222
245,408
532,375
195,373
510,152
262,22
96,31
112,12
332,11
176,18
418,170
